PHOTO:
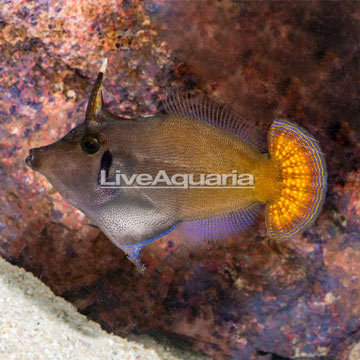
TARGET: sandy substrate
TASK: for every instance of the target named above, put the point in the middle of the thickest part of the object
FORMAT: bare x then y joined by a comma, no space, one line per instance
36,324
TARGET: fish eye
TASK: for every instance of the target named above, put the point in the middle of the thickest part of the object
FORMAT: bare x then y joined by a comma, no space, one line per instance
90,144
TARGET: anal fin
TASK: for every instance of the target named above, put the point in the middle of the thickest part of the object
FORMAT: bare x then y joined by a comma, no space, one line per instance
219,227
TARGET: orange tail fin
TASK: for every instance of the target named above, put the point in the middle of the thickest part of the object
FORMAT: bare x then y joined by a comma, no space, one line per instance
304,180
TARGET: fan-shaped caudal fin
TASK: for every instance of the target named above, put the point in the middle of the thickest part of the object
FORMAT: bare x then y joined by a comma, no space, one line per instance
304,179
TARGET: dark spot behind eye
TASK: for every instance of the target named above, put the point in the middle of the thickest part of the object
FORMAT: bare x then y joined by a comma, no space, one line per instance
106,162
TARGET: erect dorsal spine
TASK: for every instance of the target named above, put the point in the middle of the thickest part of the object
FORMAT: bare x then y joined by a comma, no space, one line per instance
96,104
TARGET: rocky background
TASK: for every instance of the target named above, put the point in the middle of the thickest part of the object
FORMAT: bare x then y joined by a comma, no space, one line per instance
242,298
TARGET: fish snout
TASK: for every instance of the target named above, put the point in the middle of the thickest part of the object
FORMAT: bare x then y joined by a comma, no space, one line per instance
31,160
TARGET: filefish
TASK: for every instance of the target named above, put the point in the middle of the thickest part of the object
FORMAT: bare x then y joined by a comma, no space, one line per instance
196,136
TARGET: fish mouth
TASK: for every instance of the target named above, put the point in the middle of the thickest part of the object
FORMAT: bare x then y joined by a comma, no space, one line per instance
30,160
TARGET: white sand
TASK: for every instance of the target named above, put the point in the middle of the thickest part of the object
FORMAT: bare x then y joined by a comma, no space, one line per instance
36,324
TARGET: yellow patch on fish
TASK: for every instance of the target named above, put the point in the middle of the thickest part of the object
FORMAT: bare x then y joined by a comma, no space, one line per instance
303,179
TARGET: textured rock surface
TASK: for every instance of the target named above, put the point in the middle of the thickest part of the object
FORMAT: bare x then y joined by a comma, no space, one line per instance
37,325
241,298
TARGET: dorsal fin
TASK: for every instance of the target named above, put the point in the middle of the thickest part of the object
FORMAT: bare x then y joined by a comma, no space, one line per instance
94,111
216,114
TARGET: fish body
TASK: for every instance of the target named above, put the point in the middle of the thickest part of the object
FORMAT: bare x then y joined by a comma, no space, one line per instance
196,136
181,145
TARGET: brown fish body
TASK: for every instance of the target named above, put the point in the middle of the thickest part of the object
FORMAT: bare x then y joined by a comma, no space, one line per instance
195,138
183,145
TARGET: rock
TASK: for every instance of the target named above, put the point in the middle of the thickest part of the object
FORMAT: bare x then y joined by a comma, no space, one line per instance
35,324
